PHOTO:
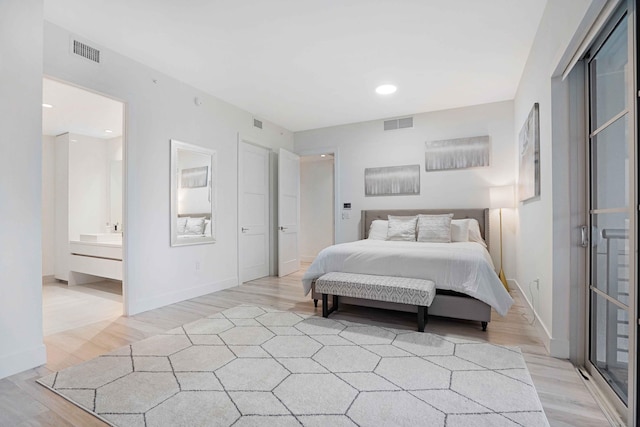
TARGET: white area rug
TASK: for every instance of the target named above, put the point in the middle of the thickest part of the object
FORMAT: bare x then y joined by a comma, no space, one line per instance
256,366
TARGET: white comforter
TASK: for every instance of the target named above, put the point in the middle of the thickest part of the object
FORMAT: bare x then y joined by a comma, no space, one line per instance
464,267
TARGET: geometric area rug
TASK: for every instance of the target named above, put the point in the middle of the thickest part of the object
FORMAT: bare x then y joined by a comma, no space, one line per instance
256,366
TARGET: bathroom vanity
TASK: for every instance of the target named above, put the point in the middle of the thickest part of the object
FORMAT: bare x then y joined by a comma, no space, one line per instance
94,257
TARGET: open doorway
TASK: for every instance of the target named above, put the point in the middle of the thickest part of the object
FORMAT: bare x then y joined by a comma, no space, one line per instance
82,207
317,204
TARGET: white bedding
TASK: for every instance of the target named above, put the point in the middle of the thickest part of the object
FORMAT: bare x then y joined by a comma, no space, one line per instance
464,267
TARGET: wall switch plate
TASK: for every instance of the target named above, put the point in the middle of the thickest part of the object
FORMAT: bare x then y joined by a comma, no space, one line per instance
346,215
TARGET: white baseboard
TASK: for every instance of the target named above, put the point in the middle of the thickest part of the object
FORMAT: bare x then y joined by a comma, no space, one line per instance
541,328
147,304
307,258
21,361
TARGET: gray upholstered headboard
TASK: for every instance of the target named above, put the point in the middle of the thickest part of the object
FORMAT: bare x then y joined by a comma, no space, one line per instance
481,214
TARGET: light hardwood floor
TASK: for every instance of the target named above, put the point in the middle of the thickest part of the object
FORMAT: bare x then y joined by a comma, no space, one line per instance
65,307
23,402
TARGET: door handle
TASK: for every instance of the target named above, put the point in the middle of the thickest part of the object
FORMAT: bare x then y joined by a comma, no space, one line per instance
244,230
584,236
282,228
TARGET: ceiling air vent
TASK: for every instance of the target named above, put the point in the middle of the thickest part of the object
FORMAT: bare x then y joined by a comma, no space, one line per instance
393,124
86,51
257,123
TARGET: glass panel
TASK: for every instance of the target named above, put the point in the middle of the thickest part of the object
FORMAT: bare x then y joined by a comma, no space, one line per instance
610,166
610,65
610,255
610,343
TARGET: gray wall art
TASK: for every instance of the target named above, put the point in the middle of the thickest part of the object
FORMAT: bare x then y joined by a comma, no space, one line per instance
529,143
392,181
460,153
194,177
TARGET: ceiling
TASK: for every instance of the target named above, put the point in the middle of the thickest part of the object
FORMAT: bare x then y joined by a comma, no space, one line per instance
311,64
79,111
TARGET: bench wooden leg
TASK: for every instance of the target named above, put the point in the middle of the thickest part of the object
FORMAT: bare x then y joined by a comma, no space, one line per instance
422,317
484,326
325,309
315,302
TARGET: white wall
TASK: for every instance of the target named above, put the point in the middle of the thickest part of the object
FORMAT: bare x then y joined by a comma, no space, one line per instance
543,235
88,186
365,145
48,204
61,199
316,206
115,181
158,109
21,345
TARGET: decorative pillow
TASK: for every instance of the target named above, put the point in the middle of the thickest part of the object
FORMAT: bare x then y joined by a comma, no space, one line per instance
207,227
182,223
459,230
434,228
402,228
194,227
378,229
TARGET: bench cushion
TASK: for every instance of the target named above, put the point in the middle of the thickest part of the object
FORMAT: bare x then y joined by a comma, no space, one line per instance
402,290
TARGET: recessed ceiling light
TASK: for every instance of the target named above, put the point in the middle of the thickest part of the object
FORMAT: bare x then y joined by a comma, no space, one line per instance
323,155
47,106
386,89
108,130
74,140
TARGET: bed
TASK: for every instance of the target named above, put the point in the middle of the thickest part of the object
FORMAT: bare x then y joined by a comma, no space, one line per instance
466,282
193,226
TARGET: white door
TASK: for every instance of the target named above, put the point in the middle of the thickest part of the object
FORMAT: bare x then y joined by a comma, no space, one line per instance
288,212
253,200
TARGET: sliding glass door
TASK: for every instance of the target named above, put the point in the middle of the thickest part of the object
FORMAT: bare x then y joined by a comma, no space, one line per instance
612,215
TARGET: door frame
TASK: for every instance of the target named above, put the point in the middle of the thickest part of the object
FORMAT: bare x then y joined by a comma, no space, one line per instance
603,389
336,183
126,289
272,226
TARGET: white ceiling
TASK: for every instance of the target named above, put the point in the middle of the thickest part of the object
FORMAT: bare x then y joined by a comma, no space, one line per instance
79,111
310,64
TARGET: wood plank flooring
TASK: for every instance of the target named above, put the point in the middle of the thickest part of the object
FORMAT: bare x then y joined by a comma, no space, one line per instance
64,307
23,402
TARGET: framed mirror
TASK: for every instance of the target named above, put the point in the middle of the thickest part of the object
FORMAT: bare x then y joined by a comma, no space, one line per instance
193,194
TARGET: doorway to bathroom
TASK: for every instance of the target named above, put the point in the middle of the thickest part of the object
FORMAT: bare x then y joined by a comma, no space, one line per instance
82,207
317,204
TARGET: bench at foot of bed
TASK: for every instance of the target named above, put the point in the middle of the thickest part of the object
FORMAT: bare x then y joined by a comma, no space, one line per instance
401,290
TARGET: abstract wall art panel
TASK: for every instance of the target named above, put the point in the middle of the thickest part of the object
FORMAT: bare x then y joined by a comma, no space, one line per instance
392,181
529,144
460,153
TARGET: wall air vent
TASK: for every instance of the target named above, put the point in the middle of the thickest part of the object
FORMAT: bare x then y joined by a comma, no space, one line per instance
86,51
257,123
393,124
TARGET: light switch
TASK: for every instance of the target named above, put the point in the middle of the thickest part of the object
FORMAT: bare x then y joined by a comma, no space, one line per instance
346,214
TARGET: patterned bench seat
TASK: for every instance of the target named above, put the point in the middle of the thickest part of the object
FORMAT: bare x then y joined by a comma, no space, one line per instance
403,290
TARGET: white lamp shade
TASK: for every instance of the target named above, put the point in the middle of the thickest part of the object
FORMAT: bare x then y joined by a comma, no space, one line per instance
502,197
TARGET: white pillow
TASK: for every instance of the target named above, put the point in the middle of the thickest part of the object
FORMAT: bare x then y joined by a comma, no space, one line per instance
459,230
474,231
207,227
194,227
434,228
182,223
402,228
378,229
